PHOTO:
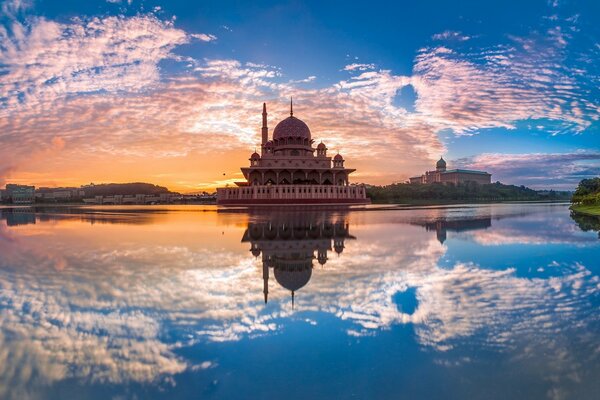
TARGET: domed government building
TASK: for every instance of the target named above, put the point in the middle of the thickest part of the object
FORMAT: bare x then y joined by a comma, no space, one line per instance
451,176
290,171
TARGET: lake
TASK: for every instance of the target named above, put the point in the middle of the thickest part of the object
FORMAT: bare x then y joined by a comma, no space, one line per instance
447,302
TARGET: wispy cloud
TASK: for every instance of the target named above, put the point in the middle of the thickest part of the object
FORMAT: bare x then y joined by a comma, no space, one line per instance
451,35
359,67
45,61
205,37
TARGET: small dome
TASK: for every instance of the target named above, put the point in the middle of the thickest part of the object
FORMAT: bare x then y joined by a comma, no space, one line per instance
255,156
321,146
269,144
338,157
291,127
441,163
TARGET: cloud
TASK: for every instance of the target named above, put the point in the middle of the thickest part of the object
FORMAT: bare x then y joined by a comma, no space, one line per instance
451,35
44,61
305,80
538,170
359,67
12,8
498,87
204,37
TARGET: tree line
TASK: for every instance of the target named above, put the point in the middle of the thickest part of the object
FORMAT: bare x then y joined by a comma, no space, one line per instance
468,191
587,192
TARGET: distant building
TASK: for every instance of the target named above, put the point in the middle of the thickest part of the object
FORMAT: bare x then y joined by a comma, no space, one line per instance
454,176
161,198
19,194
59,194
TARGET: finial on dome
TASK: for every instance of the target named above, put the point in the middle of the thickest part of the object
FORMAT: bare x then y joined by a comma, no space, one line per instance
291,107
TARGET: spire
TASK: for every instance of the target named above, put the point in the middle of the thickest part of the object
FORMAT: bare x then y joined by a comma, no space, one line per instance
292,299
264,131
291,107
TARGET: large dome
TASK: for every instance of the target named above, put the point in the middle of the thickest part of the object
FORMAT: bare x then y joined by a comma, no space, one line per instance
291,127
293,279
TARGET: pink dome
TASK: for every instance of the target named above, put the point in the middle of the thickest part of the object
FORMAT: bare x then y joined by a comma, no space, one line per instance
291,127
338,157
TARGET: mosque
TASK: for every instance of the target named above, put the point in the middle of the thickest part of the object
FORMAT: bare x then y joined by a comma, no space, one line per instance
288,242
290,171
452,176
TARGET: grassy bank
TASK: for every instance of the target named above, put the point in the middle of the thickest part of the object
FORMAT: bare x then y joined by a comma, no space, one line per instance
586,209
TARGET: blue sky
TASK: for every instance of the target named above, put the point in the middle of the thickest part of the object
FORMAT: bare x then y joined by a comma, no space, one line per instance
508,86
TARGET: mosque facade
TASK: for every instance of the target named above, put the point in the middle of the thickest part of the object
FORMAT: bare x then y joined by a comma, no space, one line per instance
290,170
451,176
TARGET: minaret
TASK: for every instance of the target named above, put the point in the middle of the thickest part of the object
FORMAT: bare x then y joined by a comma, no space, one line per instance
291,108
265,130
265,280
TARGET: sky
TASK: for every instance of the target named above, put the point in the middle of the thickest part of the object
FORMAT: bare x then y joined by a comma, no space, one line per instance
171,92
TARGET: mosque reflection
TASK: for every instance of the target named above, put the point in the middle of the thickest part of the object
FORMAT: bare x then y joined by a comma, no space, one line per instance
288,243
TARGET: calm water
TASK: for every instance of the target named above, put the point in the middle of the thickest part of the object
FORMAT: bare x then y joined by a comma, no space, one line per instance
476,302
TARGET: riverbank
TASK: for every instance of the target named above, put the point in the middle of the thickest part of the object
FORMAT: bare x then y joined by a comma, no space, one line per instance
587,210
416,202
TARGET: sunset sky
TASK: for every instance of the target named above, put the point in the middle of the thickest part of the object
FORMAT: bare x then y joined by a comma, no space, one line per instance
171,92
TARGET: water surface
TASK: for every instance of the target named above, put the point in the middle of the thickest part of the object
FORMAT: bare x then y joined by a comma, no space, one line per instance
454,302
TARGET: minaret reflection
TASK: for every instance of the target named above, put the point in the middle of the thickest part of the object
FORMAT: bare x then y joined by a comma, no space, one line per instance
288,243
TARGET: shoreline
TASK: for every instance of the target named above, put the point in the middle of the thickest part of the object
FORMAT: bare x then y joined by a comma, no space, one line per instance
404,204
586,210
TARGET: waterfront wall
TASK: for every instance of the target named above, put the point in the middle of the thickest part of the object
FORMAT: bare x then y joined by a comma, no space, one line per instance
293,194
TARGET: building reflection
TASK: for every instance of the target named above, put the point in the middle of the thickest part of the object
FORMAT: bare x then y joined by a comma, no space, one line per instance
443,226
30,215
17,216
289,243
